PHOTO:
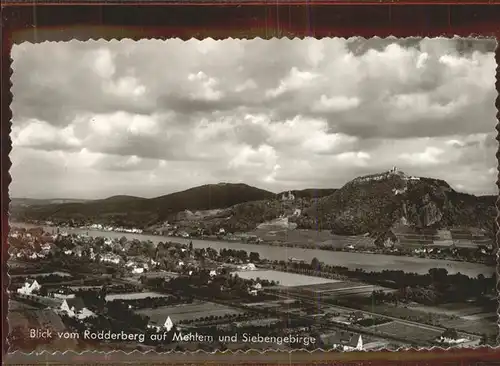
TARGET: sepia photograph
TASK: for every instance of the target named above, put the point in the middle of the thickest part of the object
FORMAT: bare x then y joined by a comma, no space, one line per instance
334,194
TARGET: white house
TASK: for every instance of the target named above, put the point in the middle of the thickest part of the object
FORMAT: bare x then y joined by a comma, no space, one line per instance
168,324
213,273
354,344
46,246
75,308
61,293
344,341
257,286
28,288
138,270
248,267
109,258
85,313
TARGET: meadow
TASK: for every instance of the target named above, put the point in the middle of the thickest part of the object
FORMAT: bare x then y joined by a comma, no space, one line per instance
186,312
283,278
133,296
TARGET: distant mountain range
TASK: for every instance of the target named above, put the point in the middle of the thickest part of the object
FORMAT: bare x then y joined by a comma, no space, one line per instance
26,202
138,210
369,204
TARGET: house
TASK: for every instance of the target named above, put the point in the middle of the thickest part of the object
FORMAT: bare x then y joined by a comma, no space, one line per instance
29,288
343,340
46,247
154,327
248,267
168,325
356,316
75,308
61,293
110,258
138,270
36,231
213,273
257,286
184,234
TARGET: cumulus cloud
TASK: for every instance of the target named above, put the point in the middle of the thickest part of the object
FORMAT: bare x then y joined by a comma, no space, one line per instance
97,118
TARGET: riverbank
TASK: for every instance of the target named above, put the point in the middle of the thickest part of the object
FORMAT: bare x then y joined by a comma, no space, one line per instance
352,260
337,244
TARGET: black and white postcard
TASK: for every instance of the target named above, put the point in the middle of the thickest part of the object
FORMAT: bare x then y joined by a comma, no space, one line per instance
334,194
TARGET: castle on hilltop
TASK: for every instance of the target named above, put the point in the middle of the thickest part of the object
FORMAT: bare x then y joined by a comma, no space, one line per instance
288,196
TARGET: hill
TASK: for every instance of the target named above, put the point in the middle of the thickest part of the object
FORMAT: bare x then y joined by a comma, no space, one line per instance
137,211
375,203
208,197
385,205
26,202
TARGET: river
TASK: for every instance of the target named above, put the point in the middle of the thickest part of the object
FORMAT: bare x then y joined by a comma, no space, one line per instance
366,261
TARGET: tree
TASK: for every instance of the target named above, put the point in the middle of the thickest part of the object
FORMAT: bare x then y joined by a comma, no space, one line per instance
438,274
43,291
450,334
254,257
315,263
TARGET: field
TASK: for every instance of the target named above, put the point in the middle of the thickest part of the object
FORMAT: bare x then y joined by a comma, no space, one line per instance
480,326
337,289
23,321
275,304
33,275
186,312
314,238
284,278
408,331
158,274
19,306
464,311
133,296
39,300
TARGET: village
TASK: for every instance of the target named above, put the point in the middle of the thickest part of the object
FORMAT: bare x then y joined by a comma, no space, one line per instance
73,284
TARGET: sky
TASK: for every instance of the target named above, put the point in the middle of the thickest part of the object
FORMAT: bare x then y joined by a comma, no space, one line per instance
96,119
